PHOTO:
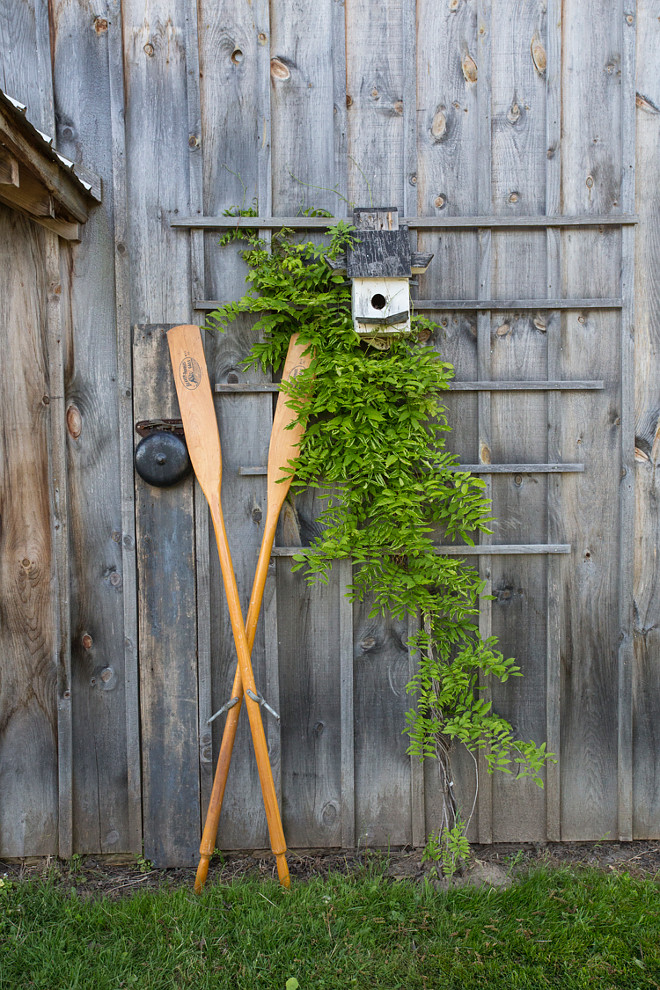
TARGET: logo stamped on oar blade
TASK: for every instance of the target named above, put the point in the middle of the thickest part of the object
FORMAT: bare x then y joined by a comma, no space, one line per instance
190,373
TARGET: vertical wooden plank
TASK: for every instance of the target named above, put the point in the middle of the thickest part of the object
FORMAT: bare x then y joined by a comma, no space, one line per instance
309,170
484,288
234,86
381,152
58,329
202,542
417,776
25,73
554,530
591,428
382,768
271,648
627,491
646,687
410,208
29,674
126,434
168,668
447,184
158,151
374,79
340,108
518,349
59,326
303,100
346,689
158,186
100,585
310,704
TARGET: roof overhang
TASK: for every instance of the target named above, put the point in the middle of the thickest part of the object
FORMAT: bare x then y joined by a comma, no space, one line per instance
39,182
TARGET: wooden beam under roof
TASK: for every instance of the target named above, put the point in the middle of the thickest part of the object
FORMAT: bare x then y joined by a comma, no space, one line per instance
36,180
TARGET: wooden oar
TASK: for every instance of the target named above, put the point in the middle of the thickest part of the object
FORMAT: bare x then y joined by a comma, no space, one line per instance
284,444
201,431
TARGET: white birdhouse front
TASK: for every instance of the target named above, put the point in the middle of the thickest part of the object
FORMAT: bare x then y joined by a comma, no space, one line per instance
380,265
381,306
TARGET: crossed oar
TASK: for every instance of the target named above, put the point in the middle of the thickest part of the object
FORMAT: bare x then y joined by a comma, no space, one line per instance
201,430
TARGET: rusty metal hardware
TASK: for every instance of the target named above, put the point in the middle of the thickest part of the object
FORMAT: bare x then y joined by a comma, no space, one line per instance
147,426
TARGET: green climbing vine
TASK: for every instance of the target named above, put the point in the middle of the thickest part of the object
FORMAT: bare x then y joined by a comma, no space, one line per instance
376,437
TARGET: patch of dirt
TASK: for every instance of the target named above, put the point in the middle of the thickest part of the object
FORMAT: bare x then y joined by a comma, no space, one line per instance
494,865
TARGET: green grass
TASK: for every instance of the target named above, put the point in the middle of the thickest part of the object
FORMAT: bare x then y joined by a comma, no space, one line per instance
563,928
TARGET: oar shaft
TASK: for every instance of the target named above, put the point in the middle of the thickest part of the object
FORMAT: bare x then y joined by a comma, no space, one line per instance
278,844
210,833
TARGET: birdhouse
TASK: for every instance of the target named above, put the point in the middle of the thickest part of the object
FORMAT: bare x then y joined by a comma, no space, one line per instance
380,265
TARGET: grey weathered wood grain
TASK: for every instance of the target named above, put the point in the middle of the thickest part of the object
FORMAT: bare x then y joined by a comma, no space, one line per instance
504,304
458,550
484,141
29,674
449,305
157,118
100,701
303,97
374,81
310,705
347,714
24,65
382,768
125,424
272,683
158,184
591,180
518,348
447,124
554,566
58,334
59,330
202,542
455,222
454,386
235,108
309,136
625,768
168,631
646,684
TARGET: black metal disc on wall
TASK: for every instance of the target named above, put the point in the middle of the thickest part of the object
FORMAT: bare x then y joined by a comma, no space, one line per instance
161,459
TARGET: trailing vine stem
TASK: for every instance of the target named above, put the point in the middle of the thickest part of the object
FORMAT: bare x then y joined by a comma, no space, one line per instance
376,439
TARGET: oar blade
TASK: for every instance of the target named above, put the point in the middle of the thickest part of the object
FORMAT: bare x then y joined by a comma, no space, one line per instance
285,442
193,389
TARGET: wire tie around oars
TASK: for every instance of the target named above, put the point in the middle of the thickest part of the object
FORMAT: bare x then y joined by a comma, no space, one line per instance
221,711
260,700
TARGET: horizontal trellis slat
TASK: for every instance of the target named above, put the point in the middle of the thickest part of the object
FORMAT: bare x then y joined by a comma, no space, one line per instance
483,305
472,468
239,388
490,550
417,223
480,305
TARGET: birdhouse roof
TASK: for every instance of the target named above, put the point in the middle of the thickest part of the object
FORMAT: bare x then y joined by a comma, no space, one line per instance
380,254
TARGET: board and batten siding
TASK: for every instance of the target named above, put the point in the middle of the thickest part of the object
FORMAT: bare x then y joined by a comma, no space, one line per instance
116,643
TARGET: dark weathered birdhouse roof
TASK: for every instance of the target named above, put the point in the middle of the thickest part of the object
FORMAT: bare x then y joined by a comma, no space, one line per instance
380,254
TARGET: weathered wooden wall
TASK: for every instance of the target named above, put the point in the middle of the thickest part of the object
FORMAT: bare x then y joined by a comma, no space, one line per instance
460,108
